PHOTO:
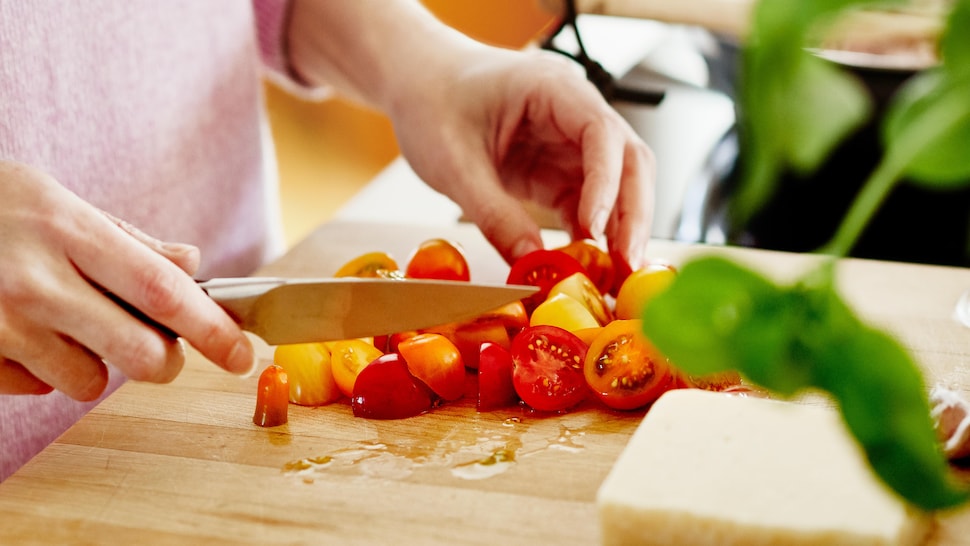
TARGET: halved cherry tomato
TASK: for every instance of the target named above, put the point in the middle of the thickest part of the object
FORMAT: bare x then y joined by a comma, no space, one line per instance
495,387
347,359
587,335
438,259
469,338
272,397
371,264
597,262
548,368
385,389
564,311
542,268
436,361
309,373
582,289
624,369
714,382
641,287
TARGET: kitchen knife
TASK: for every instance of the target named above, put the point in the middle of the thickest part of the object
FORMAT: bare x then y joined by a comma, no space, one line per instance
283,311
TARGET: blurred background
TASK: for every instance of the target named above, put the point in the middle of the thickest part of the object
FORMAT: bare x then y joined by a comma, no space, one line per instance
327,151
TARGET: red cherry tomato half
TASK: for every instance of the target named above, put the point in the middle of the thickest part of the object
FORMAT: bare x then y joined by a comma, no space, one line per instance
624,369
272,397
438,259
542,268
385,389
548,368
597,262
434,359
495,387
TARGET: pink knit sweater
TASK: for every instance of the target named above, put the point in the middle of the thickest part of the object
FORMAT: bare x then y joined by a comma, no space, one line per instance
151,111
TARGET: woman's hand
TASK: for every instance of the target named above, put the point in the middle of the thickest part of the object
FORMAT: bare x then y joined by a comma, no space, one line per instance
527,125
59,255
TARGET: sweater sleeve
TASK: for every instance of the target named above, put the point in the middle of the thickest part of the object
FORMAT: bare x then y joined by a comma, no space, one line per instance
272,22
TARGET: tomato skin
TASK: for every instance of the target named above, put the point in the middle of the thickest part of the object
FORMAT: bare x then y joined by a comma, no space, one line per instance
542,268
640,287
548,368
597,262
434,359
579,287
309,373
564,311
371,264
624,369
438,259
495,385
347,359
469,338
385,389
272,397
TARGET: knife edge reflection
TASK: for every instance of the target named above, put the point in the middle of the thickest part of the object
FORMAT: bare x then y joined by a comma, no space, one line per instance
285,311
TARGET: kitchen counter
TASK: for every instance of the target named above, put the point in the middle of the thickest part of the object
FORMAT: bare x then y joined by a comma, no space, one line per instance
183,463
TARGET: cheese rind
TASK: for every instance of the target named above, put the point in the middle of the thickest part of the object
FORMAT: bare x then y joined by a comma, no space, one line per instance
712,468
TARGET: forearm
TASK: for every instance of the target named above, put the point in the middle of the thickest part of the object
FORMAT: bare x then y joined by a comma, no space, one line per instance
374,51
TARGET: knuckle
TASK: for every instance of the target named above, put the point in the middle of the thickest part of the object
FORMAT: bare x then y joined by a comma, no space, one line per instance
159,291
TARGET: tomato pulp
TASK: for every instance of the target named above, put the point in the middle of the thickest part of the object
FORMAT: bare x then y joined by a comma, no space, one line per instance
624,369
548,368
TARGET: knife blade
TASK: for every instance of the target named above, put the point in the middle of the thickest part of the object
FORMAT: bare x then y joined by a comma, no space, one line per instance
284,311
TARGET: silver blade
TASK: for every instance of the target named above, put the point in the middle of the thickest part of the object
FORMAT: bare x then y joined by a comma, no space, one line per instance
283,311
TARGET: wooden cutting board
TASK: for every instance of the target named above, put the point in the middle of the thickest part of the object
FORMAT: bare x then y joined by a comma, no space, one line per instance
183,463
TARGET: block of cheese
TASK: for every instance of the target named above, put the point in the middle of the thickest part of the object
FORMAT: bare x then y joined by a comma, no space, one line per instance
713,468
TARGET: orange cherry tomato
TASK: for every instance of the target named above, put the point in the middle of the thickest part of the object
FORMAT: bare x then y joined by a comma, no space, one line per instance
371,264
347,359
470,336
435,360
624,369
438,259
595,260
579,287
640,287
272,397
309,373
564,311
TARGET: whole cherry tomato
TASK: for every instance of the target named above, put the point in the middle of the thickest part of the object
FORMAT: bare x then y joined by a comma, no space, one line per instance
595,260
309,373
624,369
438,259
436,361
385,389
542,268
272,397
495,386
548,368
641,286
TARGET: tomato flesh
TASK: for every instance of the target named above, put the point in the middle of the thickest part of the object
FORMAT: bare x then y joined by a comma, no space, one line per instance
438,259
272,397
543,269
436,361
623,368
347,359
548,368
495,386
385,389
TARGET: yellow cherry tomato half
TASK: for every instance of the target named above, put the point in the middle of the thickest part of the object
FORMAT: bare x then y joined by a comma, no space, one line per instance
582,289
641,287
371,264
309,372
347,359
565,312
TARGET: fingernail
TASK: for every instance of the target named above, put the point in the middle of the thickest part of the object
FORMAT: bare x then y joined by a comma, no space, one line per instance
242,358
598,228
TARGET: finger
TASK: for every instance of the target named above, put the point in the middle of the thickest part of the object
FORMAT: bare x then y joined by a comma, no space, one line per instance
603,163
59,362
15,379
186,256
150,283
629,227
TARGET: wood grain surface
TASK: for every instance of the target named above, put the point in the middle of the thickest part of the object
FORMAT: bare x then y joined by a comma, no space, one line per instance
183,463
